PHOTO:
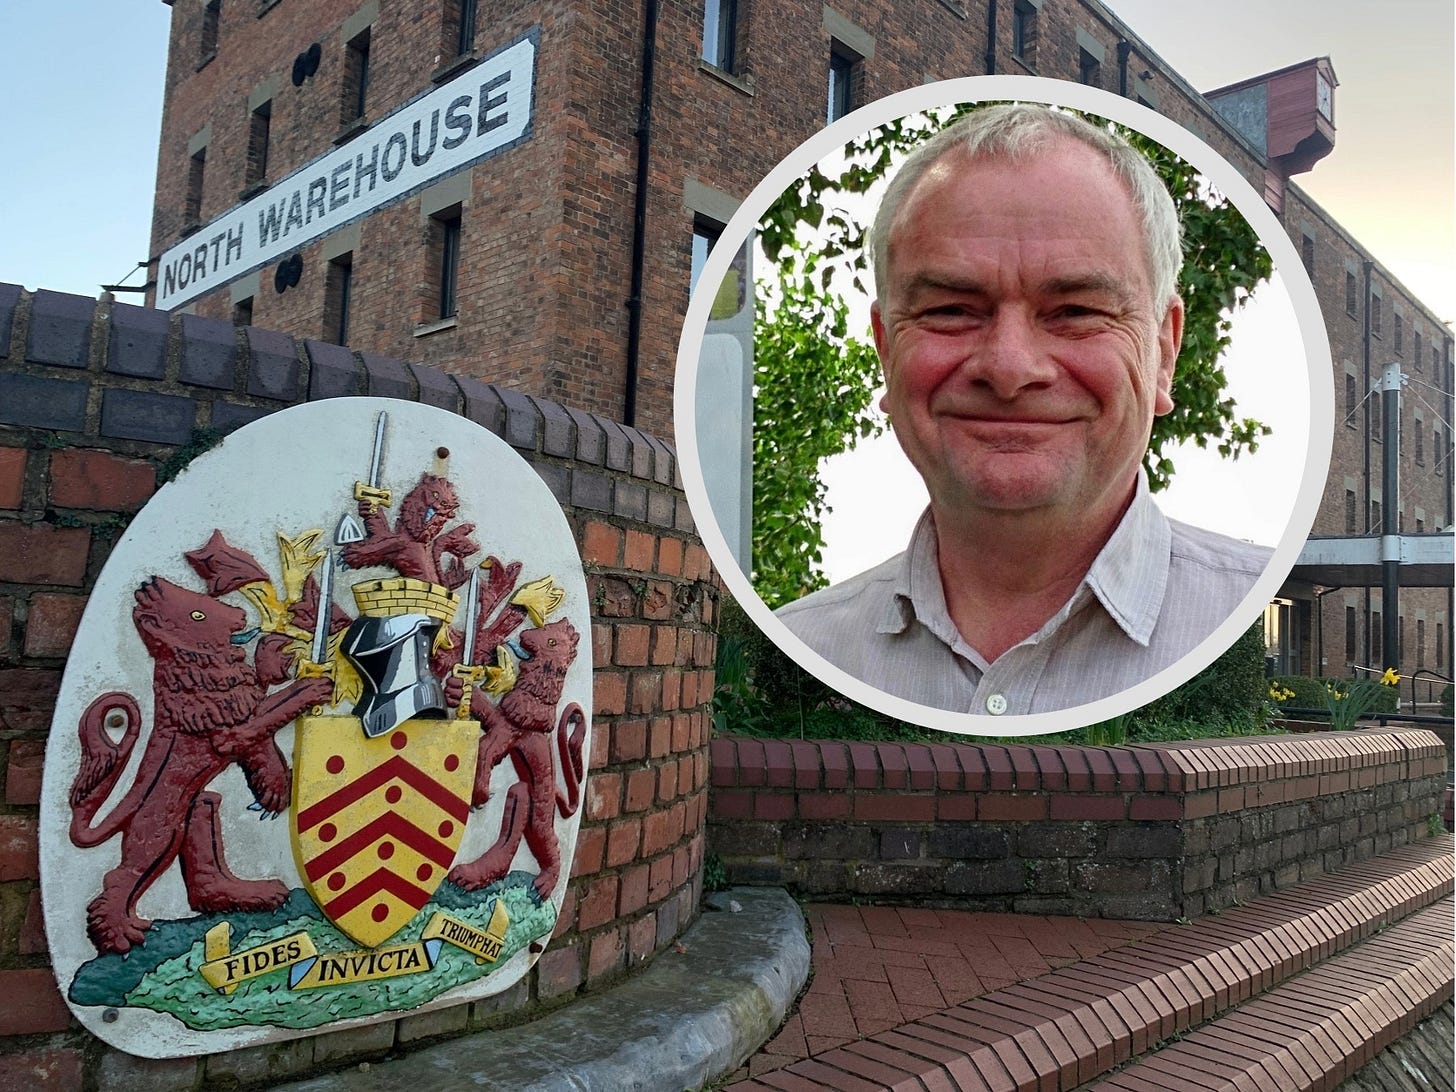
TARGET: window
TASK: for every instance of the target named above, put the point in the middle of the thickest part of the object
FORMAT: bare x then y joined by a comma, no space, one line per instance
844,72
705,234
1023,30
1418,350
1438,450
1351,527
1399,333
243,312
1352,294
461,20
447,233
1375,517
1306,253
258,132
356,80
196,170
1089,69
1375,315
1352,401
1351,635
1377,638
338,298
720,31
1420,434
207,46
1440,646
1377,422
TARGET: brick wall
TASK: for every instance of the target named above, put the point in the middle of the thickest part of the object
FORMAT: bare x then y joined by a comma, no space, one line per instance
94,399
1154,832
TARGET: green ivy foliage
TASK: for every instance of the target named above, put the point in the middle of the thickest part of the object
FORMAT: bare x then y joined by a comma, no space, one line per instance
814,379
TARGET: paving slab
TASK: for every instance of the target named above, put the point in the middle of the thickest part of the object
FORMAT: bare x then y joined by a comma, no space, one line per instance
692,1016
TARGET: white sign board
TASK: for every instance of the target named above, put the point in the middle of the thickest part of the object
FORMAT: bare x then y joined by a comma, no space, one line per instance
484,110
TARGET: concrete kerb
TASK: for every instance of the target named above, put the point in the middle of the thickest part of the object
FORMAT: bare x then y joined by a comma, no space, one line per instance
692,1016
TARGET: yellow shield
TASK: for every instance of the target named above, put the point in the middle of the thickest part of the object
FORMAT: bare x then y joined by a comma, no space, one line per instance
377,822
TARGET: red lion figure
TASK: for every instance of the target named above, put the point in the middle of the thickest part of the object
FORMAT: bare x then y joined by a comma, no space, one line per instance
211,710
521,727
418,544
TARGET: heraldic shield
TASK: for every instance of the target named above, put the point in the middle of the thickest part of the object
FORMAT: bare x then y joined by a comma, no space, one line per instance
377,822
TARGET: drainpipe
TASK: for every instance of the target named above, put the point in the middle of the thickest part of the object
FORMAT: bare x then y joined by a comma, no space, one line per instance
1390,517
991,38
1365,404
639,215
1124,50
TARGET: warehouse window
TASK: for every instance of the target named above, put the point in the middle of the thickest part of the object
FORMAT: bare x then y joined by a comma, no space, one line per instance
1351,633
1023,30
1352,294
1375,315
243,312
1377,638
705,235
338,297
720,33
1399,333
446,239
356,79
1350,514
1440,646
460,24
1352,401
1420,435
196,171
1089,69
259,126
1418,350
1306,253
207,46
844,73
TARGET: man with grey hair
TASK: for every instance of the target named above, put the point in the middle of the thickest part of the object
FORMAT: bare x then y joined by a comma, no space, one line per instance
1028,323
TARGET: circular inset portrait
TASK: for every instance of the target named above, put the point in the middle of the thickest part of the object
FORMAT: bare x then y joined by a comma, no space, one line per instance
1004,405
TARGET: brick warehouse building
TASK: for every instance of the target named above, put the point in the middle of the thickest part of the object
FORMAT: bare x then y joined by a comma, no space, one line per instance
525,266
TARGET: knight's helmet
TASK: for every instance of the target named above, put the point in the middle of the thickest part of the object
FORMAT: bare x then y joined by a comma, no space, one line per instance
390,646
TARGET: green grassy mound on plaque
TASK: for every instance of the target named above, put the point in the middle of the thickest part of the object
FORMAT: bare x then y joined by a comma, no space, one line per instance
163,974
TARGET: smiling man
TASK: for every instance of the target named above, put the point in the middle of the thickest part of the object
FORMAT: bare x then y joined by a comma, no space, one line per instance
1028,324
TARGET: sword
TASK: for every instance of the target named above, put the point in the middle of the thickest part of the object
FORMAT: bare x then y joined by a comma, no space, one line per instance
319,665
467,669
371,491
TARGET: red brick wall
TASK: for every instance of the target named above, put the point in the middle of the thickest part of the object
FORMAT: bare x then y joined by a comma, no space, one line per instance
1157,832
94,398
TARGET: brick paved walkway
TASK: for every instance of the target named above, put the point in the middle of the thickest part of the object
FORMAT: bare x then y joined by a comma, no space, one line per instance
1292,990
876,968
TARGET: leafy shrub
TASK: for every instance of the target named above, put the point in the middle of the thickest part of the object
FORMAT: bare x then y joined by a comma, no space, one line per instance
1311,693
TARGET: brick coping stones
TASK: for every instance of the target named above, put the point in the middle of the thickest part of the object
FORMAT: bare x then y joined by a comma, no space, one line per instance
1154,832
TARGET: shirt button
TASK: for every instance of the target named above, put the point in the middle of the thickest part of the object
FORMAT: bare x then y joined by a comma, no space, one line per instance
996,704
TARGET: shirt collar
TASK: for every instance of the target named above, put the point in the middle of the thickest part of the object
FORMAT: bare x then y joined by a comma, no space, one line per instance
1129,576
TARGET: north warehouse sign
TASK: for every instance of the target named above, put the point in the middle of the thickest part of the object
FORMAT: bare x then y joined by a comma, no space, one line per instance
484,110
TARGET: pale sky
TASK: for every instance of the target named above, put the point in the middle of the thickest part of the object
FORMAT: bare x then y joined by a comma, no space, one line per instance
1388,180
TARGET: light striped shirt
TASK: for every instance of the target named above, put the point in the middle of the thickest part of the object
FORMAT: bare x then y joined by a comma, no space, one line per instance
1155,591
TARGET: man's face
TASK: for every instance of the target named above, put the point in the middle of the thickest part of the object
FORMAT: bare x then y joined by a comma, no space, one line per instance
1024,355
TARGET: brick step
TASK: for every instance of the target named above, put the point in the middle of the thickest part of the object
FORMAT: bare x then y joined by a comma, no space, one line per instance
1066,1028
1312,1032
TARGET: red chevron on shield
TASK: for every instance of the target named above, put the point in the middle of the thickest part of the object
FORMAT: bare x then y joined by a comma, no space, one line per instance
377,822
